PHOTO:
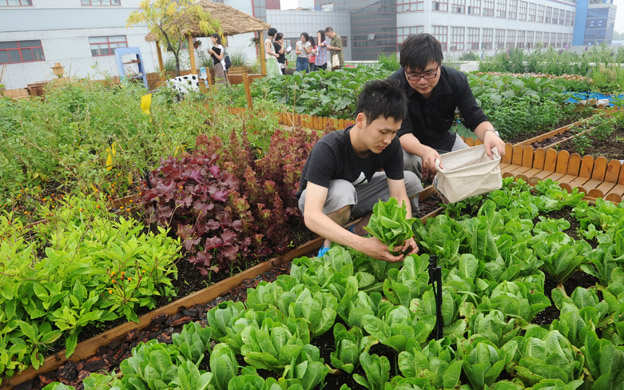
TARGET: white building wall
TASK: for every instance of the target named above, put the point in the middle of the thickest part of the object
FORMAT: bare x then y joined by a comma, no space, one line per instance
64,28
427,19
292,23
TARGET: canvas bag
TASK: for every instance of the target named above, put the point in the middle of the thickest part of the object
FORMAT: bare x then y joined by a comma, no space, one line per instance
467,173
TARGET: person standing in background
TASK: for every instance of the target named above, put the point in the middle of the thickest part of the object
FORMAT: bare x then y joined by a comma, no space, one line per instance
302,50
217,54
272,67
335,48
312,57
321,50
278,45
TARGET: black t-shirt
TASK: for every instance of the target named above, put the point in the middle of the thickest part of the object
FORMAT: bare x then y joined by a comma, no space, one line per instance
333,157
282,57
430,119
217,50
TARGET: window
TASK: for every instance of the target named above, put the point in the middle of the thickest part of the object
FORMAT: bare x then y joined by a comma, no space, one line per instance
404,32
474,7
488,7
15,3
559,40
440,5
538,38
548,15
458,6
410,5
521,39
105,46
572,18
532,8
441,34
473,38
101,2
501,9
457,38
16,52
511,39
500,39
545,39
488,38
522,11
529,39
555,16
513,9
562,16
540,14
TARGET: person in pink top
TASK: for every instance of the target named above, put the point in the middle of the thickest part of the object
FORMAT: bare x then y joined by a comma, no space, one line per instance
320,61
312,56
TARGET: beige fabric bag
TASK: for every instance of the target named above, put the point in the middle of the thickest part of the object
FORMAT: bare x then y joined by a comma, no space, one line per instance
467,173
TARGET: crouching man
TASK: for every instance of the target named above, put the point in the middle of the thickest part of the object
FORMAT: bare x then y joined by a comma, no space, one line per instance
348,171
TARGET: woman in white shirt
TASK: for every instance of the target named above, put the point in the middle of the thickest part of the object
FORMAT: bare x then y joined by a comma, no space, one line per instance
217,52
272,67
302,50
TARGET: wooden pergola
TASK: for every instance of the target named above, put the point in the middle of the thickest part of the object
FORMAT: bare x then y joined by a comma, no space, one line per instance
233,22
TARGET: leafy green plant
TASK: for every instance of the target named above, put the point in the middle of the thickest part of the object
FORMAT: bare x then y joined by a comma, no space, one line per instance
389,223
349,345
483,362
377,370
436,362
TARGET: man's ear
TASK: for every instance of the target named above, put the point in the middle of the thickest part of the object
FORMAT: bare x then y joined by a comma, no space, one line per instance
360,120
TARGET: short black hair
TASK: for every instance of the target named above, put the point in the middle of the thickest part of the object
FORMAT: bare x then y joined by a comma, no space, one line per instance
305,35
328,29
272,31
382,98
419,50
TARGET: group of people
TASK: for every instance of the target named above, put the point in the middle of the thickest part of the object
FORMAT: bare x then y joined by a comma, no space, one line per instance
312,53
402,124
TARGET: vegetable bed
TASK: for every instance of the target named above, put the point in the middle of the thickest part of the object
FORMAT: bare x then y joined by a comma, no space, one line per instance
348,321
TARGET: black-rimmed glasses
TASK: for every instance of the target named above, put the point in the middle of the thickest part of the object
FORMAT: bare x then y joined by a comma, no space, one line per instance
427,75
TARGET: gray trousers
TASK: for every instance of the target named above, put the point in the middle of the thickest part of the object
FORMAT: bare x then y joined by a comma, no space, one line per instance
364,196
413,163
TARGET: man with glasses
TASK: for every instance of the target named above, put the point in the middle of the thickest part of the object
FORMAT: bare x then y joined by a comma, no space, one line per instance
434,92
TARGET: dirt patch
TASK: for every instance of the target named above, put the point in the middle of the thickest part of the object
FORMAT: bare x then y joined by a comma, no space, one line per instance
611,148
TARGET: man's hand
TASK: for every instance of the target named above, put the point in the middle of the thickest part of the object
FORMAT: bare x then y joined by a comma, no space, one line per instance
491,140
409,247
376,249
429,158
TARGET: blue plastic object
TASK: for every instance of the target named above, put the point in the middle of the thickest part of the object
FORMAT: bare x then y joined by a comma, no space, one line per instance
122,51
578,96
322,251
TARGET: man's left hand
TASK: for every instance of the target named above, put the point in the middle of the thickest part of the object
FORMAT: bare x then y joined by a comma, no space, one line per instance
492,140
409,247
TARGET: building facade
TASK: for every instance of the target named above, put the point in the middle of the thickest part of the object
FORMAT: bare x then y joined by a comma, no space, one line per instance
480,26
595,22
82,35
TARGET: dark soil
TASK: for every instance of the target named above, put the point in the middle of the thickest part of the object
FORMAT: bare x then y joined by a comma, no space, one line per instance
428,205
611,148
549,141
522,137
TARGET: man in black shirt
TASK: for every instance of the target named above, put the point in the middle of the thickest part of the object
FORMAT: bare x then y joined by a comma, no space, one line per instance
434,92
348,171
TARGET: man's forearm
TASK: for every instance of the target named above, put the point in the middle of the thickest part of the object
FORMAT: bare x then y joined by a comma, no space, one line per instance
325,227
482,128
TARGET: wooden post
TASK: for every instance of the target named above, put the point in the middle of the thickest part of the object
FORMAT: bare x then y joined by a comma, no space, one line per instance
161,65
191,51
262,54
247,90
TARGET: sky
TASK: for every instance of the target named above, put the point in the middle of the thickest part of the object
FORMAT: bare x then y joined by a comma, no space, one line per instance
619,16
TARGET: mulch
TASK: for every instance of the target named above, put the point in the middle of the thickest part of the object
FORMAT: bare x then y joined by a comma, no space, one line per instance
611,148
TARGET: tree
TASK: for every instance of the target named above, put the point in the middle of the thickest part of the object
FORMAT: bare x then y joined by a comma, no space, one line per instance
171,21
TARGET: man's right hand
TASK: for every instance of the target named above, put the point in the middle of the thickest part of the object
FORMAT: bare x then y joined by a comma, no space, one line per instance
374,248
429,158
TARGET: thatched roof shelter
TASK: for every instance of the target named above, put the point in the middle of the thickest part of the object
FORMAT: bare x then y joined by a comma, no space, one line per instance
232,21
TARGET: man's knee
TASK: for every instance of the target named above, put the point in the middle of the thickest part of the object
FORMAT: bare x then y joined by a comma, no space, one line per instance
413,185
412,163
